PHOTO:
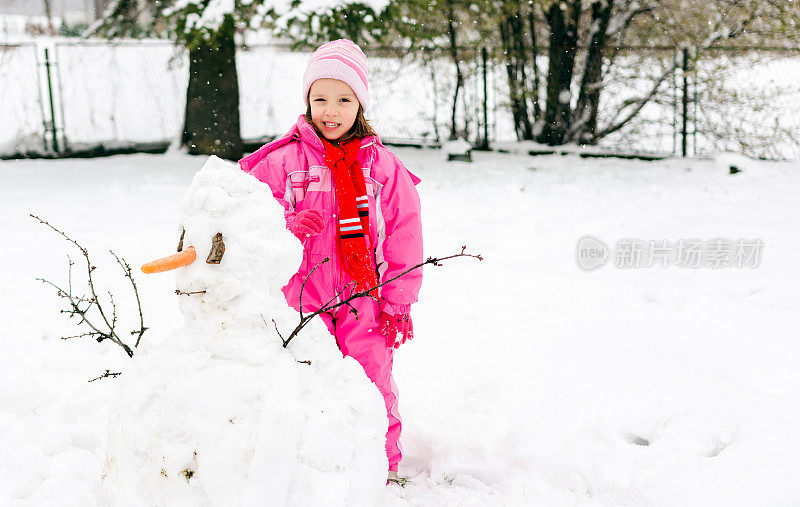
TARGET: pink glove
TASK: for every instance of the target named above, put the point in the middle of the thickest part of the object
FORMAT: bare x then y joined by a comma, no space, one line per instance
396,324
306,223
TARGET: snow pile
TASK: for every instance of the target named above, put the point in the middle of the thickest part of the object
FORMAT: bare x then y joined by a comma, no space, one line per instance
456,147
219,413
208,18
731,162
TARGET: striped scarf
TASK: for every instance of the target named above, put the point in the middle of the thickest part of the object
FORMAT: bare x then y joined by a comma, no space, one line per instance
351,197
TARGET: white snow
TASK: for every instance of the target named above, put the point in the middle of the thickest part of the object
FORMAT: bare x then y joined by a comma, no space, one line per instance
285,10
209,18
456,147
529,381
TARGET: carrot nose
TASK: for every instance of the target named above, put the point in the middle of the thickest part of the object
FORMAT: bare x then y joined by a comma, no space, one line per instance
177,260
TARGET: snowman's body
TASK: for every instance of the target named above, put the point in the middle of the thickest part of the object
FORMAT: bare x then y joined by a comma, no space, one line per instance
219,413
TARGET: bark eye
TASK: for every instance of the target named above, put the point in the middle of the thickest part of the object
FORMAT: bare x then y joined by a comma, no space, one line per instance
217,250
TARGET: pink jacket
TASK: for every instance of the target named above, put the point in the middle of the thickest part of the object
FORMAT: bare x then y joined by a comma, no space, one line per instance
294,169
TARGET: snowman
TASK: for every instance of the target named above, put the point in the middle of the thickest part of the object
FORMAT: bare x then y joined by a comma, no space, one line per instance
219,412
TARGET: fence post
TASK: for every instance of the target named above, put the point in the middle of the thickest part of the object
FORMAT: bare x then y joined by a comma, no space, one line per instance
685,119
40,97
52,104
60,82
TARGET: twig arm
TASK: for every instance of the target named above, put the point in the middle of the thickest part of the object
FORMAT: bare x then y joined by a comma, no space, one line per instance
93,300
327,307
129,274
303,286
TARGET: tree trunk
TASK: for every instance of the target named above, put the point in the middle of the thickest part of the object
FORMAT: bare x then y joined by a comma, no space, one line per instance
537,108
49,14
521,57
99,8
563,47
584,120
511,74
211,124
511,33
451,29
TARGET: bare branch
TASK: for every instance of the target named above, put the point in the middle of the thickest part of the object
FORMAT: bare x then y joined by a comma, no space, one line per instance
69,273
76,310
303,286
93,301
718,33
328,307
181,293
113,310
129,274
83,250
107,374
78,335
275,324
625,12
640,103
349,285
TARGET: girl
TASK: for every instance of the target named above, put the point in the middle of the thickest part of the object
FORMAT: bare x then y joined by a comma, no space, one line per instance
348,198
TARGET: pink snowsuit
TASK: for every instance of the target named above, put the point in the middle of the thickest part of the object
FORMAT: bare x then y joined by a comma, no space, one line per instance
295,171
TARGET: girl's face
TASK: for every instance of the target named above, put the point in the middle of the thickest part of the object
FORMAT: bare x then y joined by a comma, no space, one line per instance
334,107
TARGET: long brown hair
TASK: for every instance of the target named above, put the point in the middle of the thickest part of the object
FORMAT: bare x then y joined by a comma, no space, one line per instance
360,128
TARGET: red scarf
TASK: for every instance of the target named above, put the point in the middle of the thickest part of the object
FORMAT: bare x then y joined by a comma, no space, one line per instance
353,237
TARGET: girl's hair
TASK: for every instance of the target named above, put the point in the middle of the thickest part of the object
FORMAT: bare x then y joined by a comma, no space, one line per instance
360,128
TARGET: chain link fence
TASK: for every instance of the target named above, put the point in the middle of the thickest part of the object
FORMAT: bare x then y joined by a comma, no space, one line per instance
83,94
633,75
748,102
410,99
122,92
731,99
21,105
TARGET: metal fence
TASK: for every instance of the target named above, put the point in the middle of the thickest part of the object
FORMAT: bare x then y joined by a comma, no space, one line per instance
749,102
64,96
720,99
122,92
410,99
21,104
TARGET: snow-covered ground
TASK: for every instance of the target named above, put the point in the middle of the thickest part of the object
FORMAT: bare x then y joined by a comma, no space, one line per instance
530,381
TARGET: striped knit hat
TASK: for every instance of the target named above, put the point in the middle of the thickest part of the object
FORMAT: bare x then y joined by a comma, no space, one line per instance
343,60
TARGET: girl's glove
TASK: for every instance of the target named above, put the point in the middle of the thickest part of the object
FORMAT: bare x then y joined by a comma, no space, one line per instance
306,223
396,324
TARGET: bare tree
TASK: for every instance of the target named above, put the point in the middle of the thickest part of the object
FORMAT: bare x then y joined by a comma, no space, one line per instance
584,117
563,18
512,36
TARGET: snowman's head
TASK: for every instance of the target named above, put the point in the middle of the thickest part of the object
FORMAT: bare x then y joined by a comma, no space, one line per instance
234,252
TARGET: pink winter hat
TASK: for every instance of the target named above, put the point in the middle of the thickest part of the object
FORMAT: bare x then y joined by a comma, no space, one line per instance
343,60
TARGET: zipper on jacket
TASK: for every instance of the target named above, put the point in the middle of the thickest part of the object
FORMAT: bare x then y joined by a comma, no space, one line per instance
334,264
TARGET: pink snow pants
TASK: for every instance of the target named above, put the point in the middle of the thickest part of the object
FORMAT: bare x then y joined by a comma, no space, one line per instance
362,340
